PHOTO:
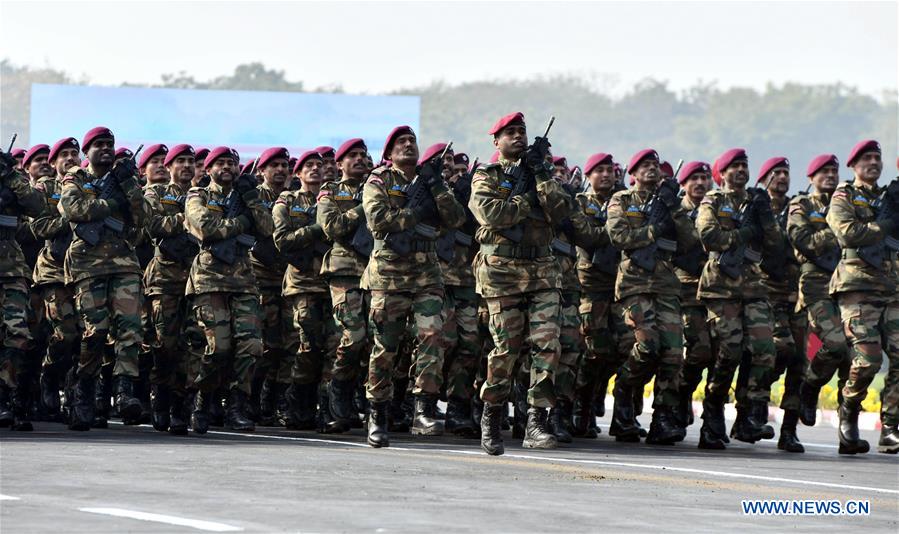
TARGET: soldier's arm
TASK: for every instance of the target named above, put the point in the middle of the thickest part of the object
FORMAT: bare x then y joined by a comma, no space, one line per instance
849,231
586,234
263,226
50,223
713,236
335,224
379,214
624,236
204,225
287,238
490,209
77,205
553,199
137,206
802,232
31,202
452,214
158,223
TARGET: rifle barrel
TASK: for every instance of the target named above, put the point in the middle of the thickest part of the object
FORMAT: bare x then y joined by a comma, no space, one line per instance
552,119
12,142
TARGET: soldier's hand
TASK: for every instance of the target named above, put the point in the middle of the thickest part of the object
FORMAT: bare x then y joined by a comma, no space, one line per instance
249,196
246,223
664,228
360,211
540,147
432,172
8,197
566,227
532,198
668,194
761,205
749,232
124,170
316,231
245,182
7,164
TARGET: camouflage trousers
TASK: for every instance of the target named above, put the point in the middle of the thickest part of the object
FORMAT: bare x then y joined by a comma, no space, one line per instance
571,345
16,335
350,312
390,311
59,312
601,357
789,345
833,356
871,323
736,324
514,319
110,306
169,345
196,342
316,340
658,345
277,330
697,346
232,328
462,351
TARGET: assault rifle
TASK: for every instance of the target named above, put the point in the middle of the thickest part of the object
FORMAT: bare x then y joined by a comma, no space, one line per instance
887,208
8,223
227,249
362,242
302,259
525,182
731,260
462,191
180,247
655,212
92,231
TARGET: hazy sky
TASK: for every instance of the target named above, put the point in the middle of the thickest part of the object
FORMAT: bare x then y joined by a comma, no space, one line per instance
381,46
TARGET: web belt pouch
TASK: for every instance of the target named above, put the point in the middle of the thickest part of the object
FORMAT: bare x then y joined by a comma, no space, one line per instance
665,248
563,248
116,226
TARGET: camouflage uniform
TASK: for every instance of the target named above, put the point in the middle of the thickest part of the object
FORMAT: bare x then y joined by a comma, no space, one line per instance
739,312
106,277
867,296
49,279
404,285
651,307
224,296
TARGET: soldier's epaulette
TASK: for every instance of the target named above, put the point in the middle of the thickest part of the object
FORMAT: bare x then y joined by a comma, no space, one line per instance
323,193
377,171
286,197
196,192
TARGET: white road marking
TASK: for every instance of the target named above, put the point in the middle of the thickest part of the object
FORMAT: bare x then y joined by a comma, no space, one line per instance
8,498
209,526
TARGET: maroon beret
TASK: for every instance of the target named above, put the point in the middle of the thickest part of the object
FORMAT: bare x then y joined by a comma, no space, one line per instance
62,144
347,145
201,154
18,153
692,168
511,118
303,157
33,152
461,158
771,164
219,152
868,145
495,157
325,151
560,160
391,137
666,169
432,151
178,150
716,174
597,159
248,166
729,156
821,161
639,157
273,153
94,134
158,149
121,152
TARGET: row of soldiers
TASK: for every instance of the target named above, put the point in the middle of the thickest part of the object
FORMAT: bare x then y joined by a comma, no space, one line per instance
305,292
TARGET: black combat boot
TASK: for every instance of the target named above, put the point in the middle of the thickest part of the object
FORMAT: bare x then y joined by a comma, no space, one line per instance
624,423
491,436
850,442
178,414
889,439
808,404
128,405
81,417
560,421
458,419
102,404
519,409
599,400
21,405
268,400
397,420
759,419
199,419
301,407
326,422
161,405
665,428
49,383
685,407
638,411
713,430
6,416
537,434
360,405
582,412
742,430
788,440
282,405
217,408
377,425
236,415
477,411
425,422
340,394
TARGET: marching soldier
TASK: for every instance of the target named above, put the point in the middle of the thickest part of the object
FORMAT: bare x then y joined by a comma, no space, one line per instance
780,275
404,278
152,165
164,282
224,217
518,277
648,291
17,199
329,163
865,219
106,206
818,253
49,276
730,287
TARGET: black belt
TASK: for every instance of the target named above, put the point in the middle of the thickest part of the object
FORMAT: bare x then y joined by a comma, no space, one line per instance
516,251
416,245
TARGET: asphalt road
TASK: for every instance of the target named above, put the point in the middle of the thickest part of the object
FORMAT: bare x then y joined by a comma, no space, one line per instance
134,479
